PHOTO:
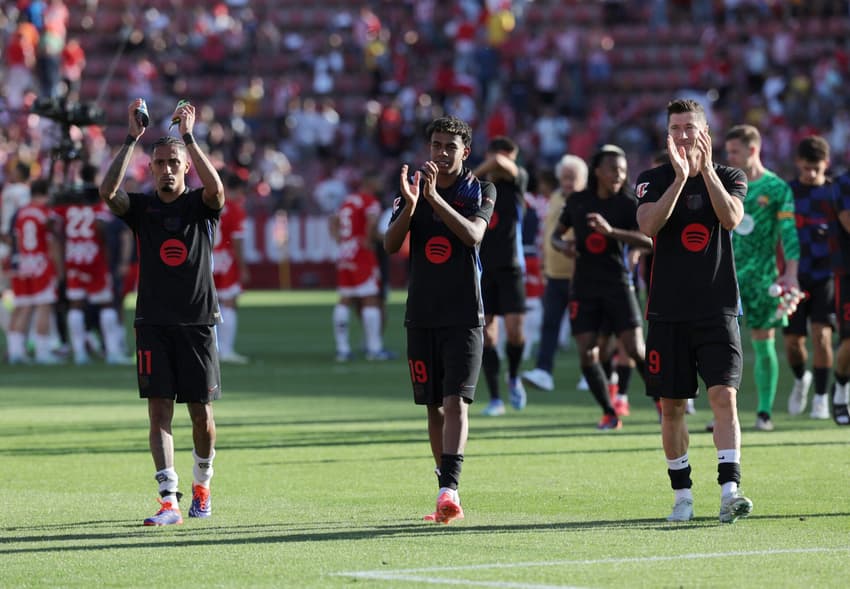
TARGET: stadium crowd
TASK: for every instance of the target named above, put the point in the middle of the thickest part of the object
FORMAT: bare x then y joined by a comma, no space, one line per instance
294,100
296,97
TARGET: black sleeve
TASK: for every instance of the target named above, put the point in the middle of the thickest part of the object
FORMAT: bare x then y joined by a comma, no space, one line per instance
565,218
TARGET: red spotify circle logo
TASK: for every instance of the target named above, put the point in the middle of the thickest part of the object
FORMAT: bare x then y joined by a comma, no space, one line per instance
438,249
596,243
695,237
173,252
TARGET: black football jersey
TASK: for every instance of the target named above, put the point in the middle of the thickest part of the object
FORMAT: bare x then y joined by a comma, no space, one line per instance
502,244
444,283
600,260
841,239
693,267
175,242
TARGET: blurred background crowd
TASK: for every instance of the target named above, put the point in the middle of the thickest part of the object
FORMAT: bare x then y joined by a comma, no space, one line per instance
299,99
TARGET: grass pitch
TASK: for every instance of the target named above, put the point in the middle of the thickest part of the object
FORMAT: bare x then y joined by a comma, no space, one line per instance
323,473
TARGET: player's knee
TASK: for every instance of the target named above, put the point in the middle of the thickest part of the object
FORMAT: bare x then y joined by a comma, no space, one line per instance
673,409
722,400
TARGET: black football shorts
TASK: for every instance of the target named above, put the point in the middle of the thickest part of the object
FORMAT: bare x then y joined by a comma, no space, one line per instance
817,307
178,362
503,291
842,305
444,361
612,310
678,352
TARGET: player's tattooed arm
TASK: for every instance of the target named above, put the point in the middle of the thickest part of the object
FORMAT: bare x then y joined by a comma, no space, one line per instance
116,199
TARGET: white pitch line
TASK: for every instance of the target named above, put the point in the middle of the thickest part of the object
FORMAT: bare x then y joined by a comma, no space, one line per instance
409,574
388,576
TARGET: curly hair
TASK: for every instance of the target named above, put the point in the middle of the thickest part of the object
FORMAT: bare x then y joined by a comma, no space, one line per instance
452,126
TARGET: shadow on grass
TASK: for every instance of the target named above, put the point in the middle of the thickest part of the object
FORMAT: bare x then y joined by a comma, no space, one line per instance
620,441
197,536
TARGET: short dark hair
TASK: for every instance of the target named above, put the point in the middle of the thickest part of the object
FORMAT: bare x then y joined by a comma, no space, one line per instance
451,125
746,134
40,186
813,149
24,169
547,176
502,143
168,140
684,105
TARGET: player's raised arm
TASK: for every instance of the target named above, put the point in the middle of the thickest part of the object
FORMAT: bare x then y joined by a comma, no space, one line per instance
109,190
213,187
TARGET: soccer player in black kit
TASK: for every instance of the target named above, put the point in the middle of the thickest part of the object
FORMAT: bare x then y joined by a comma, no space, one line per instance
176,308
841,266
503,280
602,292
689,207
445,208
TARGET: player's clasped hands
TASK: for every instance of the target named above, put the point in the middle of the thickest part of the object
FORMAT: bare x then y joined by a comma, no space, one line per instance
429,173
703,145
410,186
678,158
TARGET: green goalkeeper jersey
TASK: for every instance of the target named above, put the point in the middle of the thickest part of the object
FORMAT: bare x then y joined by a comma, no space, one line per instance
768,215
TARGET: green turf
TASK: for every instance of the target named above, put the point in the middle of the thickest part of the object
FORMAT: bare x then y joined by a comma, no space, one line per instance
323,473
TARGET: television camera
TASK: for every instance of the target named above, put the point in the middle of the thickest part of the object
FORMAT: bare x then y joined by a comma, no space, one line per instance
66,114
80,114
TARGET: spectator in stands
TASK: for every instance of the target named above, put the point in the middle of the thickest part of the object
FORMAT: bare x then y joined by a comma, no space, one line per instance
73,62
20,59
141,76
48,62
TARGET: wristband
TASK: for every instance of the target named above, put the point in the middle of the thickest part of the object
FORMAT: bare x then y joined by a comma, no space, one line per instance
188,139
130,140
